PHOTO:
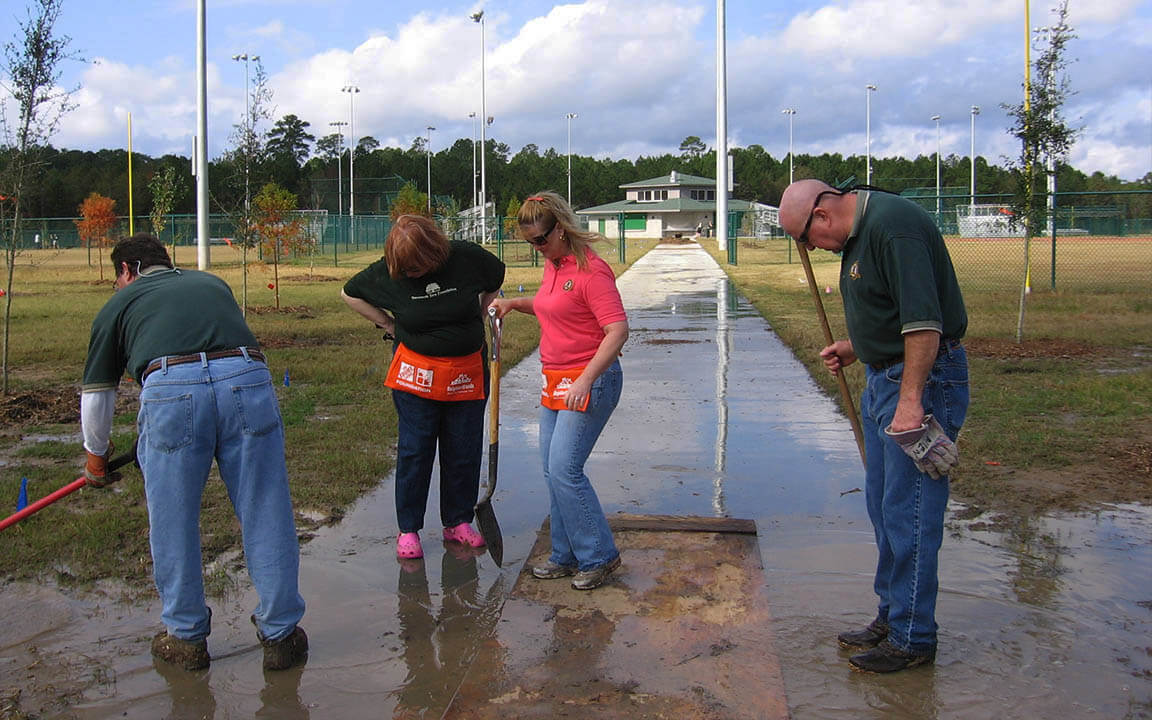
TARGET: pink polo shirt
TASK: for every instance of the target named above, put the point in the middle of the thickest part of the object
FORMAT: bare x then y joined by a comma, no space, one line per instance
573,306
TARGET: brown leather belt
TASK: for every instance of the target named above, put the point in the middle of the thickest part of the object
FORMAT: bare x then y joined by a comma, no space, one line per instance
195,357
946,344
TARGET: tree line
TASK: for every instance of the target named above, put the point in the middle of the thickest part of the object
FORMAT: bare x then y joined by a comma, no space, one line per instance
290,157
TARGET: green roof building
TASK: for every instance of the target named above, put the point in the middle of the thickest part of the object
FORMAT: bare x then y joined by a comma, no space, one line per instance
673,205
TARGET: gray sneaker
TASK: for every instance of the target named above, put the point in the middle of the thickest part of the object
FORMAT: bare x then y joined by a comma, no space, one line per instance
552,571
594,578
187,654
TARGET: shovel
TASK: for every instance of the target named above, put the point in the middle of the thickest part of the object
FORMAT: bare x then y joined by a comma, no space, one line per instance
114,464
485,515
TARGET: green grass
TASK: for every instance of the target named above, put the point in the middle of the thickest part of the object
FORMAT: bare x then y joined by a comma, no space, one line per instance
1078,391
339,420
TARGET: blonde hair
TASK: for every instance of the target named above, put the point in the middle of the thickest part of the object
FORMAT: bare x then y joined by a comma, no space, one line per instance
415,247
547,208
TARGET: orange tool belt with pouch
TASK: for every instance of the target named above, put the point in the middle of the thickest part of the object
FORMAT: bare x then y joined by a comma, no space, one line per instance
437,378
554,392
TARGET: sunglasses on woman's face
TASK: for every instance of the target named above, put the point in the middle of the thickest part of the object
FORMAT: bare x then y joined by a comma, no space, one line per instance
541,240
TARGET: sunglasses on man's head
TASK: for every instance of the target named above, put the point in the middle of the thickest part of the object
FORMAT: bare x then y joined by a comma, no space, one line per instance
541,240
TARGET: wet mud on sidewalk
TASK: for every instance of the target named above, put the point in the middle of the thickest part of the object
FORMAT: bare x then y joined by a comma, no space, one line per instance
1041,616
682,629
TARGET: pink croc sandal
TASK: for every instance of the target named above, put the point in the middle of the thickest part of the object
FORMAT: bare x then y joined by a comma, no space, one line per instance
408,546
463,533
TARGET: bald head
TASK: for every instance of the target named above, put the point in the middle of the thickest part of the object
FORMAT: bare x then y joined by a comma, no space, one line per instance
797,202
817,215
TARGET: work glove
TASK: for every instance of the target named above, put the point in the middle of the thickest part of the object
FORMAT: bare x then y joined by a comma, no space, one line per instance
96,469
928,446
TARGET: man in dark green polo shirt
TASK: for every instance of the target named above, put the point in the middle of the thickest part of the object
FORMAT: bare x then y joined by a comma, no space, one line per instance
905,318
206,393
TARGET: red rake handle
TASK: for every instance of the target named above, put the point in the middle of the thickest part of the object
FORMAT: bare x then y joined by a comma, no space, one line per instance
68,489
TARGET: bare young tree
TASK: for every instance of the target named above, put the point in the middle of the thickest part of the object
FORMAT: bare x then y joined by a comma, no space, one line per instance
1044,134
30,76
248,158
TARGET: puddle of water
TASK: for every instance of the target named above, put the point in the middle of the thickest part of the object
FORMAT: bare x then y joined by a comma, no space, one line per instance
1039,616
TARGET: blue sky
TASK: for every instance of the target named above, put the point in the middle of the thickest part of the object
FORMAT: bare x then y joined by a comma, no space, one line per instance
640,75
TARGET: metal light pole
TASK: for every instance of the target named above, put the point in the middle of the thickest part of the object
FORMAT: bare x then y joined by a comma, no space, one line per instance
351,90
972,158
478,17
791,113
428,153
200,139
475,132
937,119
868,90
570,116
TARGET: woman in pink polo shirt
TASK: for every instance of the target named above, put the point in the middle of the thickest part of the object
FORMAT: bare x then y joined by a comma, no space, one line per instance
582,329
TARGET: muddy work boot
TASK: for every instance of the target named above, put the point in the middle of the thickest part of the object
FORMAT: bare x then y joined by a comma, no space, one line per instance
288,651
552,571
886,658
865,639
187,654
594,578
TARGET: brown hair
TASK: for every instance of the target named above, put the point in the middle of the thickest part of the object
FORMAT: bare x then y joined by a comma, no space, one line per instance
415,247
547,208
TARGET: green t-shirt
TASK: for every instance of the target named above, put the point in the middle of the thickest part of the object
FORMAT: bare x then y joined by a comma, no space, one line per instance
437,314
162,312
896,277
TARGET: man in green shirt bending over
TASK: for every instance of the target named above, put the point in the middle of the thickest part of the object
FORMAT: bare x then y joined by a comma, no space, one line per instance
206,393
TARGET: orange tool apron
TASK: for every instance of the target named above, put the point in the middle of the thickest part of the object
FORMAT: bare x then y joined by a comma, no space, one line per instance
437,378
554,390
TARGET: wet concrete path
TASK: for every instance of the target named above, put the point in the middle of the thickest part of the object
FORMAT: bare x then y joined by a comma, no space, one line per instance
1052,616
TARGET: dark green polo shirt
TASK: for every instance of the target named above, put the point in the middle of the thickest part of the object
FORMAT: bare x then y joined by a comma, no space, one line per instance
896,277
165,312
438,314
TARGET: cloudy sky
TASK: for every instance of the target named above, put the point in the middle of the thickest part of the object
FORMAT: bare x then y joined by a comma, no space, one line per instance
640,74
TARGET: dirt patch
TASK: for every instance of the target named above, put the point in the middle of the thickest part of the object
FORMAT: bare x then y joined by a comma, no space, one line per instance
1006,349
309,279
301,311
1118,474
49,406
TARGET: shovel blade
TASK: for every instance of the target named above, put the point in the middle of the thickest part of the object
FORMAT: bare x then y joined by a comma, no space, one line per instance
490,531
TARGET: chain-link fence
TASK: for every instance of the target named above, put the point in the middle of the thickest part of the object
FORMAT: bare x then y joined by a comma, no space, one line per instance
331,236
1093,241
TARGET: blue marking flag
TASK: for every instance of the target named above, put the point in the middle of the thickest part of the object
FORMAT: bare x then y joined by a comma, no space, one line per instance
22,498
287,380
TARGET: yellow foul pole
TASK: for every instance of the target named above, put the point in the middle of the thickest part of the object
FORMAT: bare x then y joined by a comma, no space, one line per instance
131,214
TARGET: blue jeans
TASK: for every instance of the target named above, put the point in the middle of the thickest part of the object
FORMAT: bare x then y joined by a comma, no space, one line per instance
458,428
580,532
907,506
224,409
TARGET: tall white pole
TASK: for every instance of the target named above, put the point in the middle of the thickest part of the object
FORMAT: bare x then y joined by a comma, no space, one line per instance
351,90
474,141
790,112
428,153
721,129
972,158
202,261
937,119
868,90
479,17
570,116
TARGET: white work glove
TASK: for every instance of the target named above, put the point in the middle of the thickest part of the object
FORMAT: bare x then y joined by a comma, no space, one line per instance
928,446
